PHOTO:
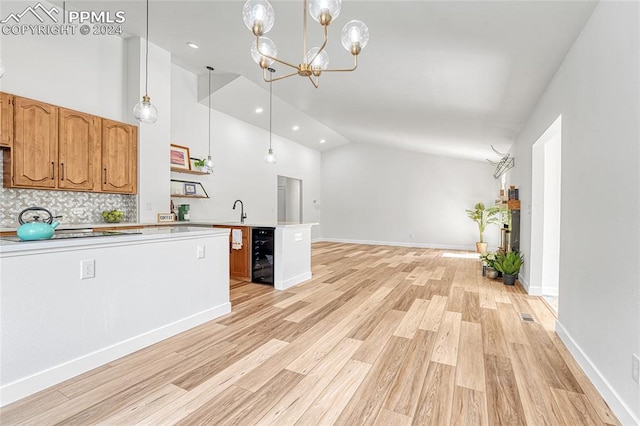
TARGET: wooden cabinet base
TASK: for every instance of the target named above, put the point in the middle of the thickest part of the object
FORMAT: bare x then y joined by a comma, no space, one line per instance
239,259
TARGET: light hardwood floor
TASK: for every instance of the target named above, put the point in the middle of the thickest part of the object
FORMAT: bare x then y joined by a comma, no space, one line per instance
380,335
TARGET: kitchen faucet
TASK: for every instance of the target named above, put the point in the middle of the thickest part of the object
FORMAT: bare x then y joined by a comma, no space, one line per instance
243,215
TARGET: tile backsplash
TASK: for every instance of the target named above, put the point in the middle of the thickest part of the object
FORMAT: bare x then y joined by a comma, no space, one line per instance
74,207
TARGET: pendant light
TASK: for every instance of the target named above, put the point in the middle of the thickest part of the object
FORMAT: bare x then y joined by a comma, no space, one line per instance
270,157
144,111
209,163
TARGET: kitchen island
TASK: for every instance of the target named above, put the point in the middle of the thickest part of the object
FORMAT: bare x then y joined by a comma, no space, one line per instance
292,250
70,305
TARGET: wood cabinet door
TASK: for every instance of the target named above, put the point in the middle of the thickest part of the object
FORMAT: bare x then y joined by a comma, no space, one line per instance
35,145
239,260
119,157
78,150
6,119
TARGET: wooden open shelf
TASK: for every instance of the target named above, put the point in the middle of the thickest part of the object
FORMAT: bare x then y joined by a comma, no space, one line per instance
188,196
189,172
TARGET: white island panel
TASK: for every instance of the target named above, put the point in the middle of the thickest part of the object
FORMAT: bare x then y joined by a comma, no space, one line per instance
54,325
292,255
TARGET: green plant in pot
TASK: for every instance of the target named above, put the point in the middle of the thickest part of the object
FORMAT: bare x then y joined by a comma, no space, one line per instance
489,259
483,216
199,164
509,264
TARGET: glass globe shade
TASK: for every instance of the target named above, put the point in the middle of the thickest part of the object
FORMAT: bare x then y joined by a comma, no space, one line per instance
145,112
321,61
209,164
270,157
261,11
355,32
331,6
267,46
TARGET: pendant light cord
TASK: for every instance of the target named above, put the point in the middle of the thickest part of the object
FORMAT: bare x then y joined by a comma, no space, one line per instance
146,61
210,69
270,104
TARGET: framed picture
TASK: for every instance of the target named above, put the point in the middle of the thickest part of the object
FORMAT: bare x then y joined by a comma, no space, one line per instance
180,157
189,189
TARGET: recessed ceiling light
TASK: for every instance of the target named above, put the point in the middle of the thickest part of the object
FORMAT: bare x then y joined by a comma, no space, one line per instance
192,45
259,110
296,127
323,140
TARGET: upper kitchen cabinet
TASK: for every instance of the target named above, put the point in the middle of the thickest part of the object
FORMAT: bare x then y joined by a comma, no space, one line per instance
35,146
119,157
6,120
51,147
78,151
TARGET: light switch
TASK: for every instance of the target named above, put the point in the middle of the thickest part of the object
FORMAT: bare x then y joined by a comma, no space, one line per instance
297,236
87,269
200,252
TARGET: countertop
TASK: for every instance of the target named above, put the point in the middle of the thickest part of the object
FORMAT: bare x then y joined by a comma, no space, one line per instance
68,226
127,237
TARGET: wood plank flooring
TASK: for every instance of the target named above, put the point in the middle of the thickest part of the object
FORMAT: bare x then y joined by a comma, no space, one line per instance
379,336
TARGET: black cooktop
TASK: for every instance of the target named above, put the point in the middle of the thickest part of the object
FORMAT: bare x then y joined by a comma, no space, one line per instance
81,234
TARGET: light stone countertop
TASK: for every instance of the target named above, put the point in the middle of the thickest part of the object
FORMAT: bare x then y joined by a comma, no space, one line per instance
8,247
69,226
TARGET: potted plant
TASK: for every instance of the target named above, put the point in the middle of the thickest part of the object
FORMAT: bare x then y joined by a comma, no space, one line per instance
200,164
509,264
489,262
483,216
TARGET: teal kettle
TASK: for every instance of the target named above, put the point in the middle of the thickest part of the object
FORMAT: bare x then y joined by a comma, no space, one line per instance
36,229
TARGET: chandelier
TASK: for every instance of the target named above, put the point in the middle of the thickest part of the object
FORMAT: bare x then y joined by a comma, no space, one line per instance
258,16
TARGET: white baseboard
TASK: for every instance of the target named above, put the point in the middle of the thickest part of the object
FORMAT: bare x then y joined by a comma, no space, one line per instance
617,405
398,244
29,385
283,285
532,290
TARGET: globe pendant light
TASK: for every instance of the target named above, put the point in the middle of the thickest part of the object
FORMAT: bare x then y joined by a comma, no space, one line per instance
209,162
271,156
144,111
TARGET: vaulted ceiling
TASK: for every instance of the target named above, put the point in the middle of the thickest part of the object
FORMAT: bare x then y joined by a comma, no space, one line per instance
443,77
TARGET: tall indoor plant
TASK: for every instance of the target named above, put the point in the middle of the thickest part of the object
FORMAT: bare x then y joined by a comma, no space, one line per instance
483,216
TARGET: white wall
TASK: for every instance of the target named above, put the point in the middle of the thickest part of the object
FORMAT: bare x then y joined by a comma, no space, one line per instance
378,194
597,92
153,139
238,150
78,72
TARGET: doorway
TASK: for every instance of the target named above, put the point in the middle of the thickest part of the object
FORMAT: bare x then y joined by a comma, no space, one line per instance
545,214
289,200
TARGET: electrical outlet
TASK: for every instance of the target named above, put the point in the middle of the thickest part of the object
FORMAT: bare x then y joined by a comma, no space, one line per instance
411,236
87,269
635,368
200,252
